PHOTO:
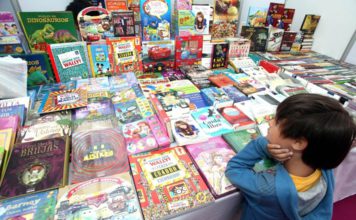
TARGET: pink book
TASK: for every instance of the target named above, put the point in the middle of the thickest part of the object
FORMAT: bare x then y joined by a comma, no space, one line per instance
12,122
159,132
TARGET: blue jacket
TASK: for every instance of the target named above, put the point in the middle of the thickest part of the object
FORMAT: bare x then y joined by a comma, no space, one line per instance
271,194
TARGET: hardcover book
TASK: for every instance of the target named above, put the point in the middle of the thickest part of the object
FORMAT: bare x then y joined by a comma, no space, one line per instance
69,61
116,5
274,15
238,47
187,131
34,206
95,109
211,158
42,28
288,40
36,166
219,55
211,121
127,112
274,40
10,40
97,153
239,139
123,95
111,197
185,25
168,179
310,23
257,16
14,110
99,60
236,118
225,19
216,97
287,19
124,23
173,104
257,35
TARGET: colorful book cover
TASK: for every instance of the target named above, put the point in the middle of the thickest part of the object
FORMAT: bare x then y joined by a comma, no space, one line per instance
42,28
202,18
69,61
238,47
257,35
196,100
257,16
139,137
63,100
274,40
15,101
116,5
236,118
288,40
168,179
219,55
95,109
287,19
310,23
9,32
99,60
211,121
239,139
145,107
234,94
34,206
188,50
123,80
43,90
124,23
221,80
187,131
157,55
155,19
127,112
185,23
97,153
216,97
111,197
225,19
159,131
6,141
173,104
123,95
184,5
274,15
14,110
36,166
211,158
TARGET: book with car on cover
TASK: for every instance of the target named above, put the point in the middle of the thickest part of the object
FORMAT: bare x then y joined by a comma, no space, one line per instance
211,158
168,179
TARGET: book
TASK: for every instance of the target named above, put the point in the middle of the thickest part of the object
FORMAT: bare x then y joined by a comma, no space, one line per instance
257,16
124,94
157,55
288,40
239,139
238,47
16,101
93,85
274,15
236,118
14,110
159,131
221,80
196,100
219,55
274,40
287,19
10,41
123,80
34,206
216,97
173,104
99,60
211,158
127,112
310,23
36,166
185,25
95,109
234,94
139,137
69,61
63,100
257,35
225,19
42,28
124,23
97,153
188,50
202,18
168,179
108,197
211,121
116,5
187,131
6,142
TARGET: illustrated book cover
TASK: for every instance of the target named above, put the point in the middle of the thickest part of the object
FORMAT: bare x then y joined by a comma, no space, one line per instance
274,40
225,18
19,110
236,118
239,139
234,94
219,55
310,23
99,60
127,112
288,40
287,19
238,47
216,97
257,35
221,80
202,18
173,103
157,55
257,16
189,50
95,109
274,15
124,23
10,41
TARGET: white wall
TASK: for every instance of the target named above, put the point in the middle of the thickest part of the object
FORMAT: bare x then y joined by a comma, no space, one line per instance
336,27
43,5
351,58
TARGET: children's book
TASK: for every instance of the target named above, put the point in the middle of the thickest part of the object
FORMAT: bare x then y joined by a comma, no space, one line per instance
239,139
14,110
97,153
124,23
157,55
36,166
127,112
216,97
145,107
63,100
99,60
69,61
257,35
196,100
34,206
219,55
95,109
274,15
111,197
236,118
287,19
274,40
184,4
187,131
6,143
159,131
257,16
221,80
116,5
173,104
123,80
288,40
42,28
8,127
168,179
211,158
188,50
211,121
10,41
185,25
238,47
310,23
225,19
139,137
234,94
202,18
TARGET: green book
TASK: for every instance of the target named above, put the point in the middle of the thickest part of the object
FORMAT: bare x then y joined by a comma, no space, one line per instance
239,139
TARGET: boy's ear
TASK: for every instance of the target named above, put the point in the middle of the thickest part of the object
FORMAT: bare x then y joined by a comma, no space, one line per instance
300,144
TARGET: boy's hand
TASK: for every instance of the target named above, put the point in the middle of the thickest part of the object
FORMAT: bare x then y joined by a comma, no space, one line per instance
278,153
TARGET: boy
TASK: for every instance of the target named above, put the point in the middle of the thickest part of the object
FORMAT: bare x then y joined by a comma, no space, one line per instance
310,135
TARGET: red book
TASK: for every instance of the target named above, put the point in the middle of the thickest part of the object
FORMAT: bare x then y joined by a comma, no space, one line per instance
188,50
221,80
236,118
287,18
274,15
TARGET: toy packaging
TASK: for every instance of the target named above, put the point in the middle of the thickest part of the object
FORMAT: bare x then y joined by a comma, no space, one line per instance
155,19
225,18
188,50
157,55
202,18
124,23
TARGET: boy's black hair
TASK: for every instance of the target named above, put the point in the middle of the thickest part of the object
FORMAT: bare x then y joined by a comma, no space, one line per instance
323,122
77,5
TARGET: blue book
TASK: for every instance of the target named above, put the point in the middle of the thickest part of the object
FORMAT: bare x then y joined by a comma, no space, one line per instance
196,100
33,95
99,60
217,97
19,110
127,112
234,94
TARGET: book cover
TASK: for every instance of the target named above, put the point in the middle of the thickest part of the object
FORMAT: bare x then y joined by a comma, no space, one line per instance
127,112
196,100
185,25
234,94
9,37
6,141
123,80
184,4
202,18
211,158
216,97
236,118
155,19
42,28
238,47
159,131
288,40
99,60
287,19
157,55
14,110
139,137
63,100
145,107
123,95
211,121
36,166
221,80
69,61
95,109
97,153
112,197
34,206
173,104
219,55
274,40
239,139
124,23
168,179
188,50
16,101
116,5
187,131
310,23
225,19
257,35
257,16
274,15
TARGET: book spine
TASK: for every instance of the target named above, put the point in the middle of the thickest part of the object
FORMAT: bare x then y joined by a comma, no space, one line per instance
90,54
53,62
158,131
162,115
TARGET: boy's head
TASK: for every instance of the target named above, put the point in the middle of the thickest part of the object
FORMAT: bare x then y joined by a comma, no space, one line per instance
316,126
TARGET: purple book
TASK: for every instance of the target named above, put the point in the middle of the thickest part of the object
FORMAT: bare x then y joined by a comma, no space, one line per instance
211,158
36,166
12,122
95,109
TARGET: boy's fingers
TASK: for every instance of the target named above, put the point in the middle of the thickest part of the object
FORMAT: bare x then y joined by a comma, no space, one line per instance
283,156
279,151
274,146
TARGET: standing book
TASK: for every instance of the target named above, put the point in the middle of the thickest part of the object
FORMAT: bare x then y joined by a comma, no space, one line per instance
238,47
288,40
211,158
124,23
274,15
257,35
225,19
19,110
99,60
168,179
36,166
274,40
287,19
257,16
219,55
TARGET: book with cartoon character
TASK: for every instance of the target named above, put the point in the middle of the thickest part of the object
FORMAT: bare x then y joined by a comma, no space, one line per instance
127,112
36,166
211,158
95,109
99,60
111,197
168,184
42,28
173,103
